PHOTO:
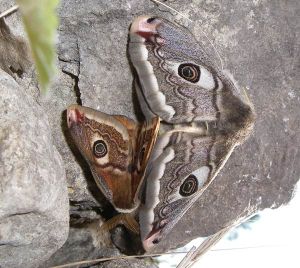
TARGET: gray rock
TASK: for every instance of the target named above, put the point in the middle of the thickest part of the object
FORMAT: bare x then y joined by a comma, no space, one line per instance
257,41
33,200
132,263
86,244
82,244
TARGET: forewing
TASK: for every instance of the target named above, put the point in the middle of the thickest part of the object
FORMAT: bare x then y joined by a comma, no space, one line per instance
162,53
177,79
107,143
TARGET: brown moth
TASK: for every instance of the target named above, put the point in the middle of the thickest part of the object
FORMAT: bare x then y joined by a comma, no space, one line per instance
203,118
117,150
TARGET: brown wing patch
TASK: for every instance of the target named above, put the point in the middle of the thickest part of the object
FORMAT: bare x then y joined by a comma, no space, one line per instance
145,142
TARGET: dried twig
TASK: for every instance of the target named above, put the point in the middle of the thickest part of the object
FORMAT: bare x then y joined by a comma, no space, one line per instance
115,258
9,11
179,13
193,257
195,254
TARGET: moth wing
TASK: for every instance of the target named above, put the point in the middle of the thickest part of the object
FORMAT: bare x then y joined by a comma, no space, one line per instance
182,167
108,144
177,79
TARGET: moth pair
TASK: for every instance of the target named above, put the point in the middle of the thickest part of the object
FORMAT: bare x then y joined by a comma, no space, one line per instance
195,116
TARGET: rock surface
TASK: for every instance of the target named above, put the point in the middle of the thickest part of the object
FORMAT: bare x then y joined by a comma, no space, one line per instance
85,244
34,219
257,41
34,209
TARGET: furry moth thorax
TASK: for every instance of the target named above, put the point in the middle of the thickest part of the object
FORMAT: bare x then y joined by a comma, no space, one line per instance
178,82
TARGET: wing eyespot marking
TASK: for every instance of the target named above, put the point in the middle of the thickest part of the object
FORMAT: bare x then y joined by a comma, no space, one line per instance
194,181
190,72
99,149
189,186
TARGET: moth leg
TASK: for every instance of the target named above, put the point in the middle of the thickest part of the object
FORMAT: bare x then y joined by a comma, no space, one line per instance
125,219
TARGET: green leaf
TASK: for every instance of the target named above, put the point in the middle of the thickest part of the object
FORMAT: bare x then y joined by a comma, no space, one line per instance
40,22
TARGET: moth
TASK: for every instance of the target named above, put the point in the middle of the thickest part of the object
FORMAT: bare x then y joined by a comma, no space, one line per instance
117,150
195,116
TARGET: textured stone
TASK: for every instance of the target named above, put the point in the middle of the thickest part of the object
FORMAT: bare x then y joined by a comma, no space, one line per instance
257,41
132,263
33,200
85,244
